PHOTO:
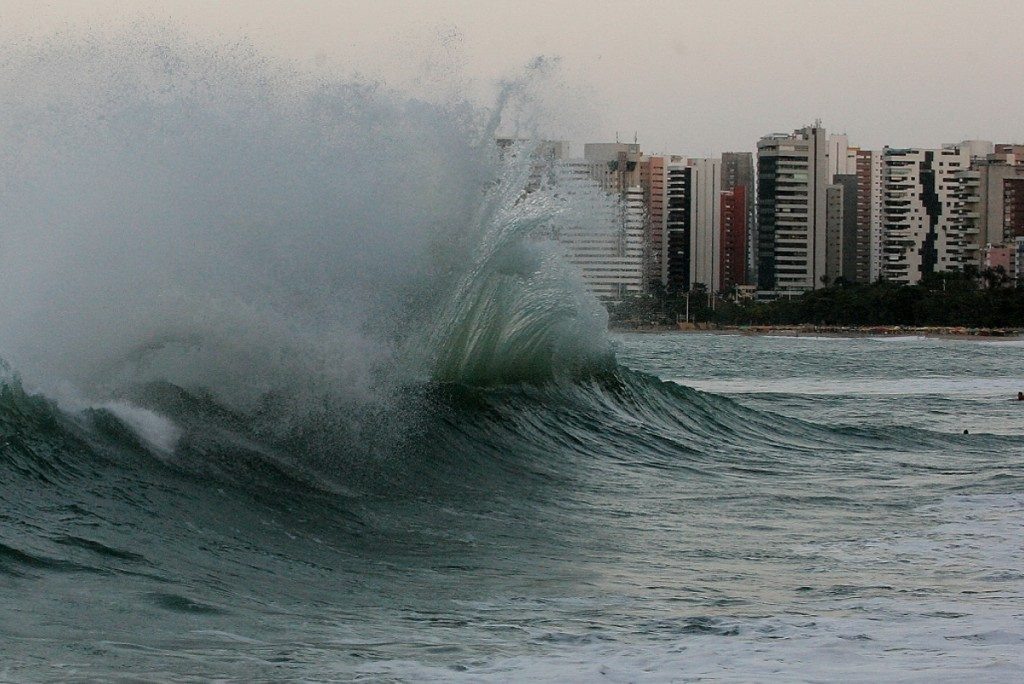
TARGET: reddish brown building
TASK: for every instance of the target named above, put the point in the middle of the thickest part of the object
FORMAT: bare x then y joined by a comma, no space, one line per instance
866,175
732,258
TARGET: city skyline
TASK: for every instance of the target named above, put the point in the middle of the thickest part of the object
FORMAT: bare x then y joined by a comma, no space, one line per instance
827,212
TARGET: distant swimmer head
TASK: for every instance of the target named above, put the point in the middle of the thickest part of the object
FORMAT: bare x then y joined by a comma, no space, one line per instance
1020,396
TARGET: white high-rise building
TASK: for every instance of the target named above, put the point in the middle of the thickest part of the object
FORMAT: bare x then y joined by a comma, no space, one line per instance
923,212
792,181
604,240
608,245
705,236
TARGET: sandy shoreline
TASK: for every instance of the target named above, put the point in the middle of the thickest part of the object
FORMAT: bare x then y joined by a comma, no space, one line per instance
980,334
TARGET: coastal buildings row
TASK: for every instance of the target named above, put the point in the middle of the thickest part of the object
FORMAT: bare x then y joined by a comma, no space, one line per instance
827,210
807,211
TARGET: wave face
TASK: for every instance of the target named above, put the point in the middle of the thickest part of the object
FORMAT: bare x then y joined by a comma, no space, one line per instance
606,523
299,390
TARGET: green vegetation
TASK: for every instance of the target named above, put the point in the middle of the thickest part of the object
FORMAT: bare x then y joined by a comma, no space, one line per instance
971,300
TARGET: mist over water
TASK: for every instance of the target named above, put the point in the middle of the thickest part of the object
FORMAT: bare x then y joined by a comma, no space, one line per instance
202,215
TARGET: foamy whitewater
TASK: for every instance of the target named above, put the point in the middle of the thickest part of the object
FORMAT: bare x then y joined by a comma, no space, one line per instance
295,387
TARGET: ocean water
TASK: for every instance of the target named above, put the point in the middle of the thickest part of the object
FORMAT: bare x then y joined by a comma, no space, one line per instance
294,386
723,507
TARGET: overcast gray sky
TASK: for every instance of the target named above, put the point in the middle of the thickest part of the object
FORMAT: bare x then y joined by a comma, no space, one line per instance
694,78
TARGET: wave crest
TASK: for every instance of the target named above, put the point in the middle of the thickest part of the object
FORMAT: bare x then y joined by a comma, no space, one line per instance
519,313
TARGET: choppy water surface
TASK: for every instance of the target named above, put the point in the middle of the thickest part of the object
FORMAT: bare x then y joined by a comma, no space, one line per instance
810,511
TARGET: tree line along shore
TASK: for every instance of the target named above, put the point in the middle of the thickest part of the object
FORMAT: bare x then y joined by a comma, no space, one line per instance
944,303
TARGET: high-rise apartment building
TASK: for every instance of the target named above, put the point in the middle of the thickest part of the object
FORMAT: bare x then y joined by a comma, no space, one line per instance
868,240
631,239
733,240
841,228
678,223
610,253
693,224
923,213
994,201
854,251
792,179
850,226
738,172
608,246
833,233
706,226
653,182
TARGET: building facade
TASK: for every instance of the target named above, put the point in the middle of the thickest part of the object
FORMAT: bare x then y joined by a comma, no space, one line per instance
1001,257
850,229
923,212
841,229
792,178
868,241
1018,260
608,246
733,240
840,157
1013,206
1010,154
678,225
738,172
616,165
833,233
705,241
653,182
